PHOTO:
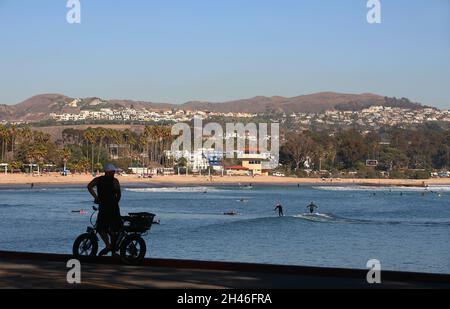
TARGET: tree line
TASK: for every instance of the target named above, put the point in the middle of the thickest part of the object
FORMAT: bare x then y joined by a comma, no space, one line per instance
399,152
84,150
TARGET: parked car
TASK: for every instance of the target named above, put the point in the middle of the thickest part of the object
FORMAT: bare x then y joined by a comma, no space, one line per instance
65,173
444,174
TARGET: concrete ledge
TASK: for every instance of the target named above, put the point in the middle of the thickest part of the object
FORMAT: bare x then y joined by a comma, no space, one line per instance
258,275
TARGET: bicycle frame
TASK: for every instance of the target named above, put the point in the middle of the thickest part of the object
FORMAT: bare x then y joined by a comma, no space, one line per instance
119,237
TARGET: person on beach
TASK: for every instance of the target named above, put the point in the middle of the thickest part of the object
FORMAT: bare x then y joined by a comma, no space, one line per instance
108,196
279,208
312,208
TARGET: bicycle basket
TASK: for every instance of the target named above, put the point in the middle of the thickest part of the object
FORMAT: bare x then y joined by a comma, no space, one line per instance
138,222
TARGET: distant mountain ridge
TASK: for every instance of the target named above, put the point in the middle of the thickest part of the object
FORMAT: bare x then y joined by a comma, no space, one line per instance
39,107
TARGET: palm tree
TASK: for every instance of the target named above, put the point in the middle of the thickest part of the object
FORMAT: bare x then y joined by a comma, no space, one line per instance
89,136
26,134
158,135
142,145
101,134
146,136
166,139
3,135
130,141
65,155
14,133
39,152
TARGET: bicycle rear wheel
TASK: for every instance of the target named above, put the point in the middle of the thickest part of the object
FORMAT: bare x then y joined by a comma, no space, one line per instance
133,250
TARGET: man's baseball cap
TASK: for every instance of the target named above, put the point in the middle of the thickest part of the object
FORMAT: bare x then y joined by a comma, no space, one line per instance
109,168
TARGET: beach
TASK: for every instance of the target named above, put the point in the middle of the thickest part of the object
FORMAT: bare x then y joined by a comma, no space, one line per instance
191,180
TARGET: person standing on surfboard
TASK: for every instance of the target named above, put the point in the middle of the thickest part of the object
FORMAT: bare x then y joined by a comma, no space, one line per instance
312,207
280,210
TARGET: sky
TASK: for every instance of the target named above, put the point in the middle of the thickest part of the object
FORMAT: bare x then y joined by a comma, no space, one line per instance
219,50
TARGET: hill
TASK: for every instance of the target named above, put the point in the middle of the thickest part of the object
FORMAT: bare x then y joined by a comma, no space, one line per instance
39,107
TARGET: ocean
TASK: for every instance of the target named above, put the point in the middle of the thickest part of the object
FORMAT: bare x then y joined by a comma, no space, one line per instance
406,229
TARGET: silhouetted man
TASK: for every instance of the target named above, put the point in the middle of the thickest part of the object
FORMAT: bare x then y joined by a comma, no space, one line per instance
108,196
279,208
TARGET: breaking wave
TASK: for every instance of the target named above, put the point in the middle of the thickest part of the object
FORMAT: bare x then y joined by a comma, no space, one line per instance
330,218
174,190
430,189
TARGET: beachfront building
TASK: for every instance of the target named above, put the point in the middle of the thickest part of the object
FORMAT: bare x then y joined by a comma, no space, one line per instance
199,160
251,162
257,163
254,165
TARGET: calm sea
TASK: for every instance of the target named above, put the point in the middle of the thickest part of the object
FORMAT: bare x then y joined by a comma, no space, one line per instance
406,229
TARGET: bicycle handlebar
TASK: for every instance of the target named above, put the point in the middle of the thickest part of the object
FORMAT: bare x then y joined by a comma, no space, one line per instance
92,215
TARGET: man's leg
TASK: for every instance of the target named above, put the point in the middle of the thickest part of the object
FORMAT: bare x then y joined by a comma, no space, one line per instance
113,242
105,238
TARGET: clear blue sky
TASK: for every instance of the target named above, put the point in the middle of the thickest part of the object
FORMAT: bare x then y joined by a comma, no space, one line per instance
180,50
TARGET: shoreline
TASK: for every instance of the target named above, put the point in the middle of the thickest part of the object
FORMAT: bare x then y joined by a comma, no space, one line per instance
177,180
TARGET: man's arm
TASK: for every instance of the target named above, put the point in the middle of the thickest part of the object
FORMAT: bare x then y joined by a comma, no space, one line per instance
118,190
91,187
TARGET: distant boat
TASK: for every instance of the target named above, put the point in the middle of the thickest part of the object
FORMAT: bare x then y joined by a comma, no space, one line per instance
231,213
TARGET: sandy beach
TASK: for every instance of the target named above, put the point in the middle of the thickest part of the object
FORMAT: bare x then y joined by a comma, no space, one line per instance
176,180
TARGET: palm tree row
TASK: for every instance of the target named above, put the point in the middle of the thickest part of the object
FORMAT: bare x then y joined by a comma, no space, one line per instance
145,148
83,149
11,136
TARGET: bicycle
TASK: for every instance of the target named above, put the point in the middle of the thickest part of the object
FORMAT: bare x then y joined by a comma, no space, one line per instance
129,242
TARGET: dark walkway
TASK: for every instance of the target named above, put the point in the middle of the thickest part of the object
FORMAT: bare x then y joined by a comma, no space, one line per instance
49,271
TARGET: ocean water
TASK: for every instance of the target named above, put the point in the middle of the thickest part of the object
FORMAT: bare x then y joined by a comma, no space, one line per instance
407,229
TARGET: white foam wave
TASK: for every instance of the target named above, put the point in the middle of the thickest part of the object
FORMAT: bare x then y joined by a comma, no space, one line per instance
384,188
315,217
174,190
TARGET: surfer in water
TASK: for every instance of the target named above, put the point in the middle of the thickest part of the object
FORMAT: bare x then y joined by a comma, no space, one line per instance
312,208
279,208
